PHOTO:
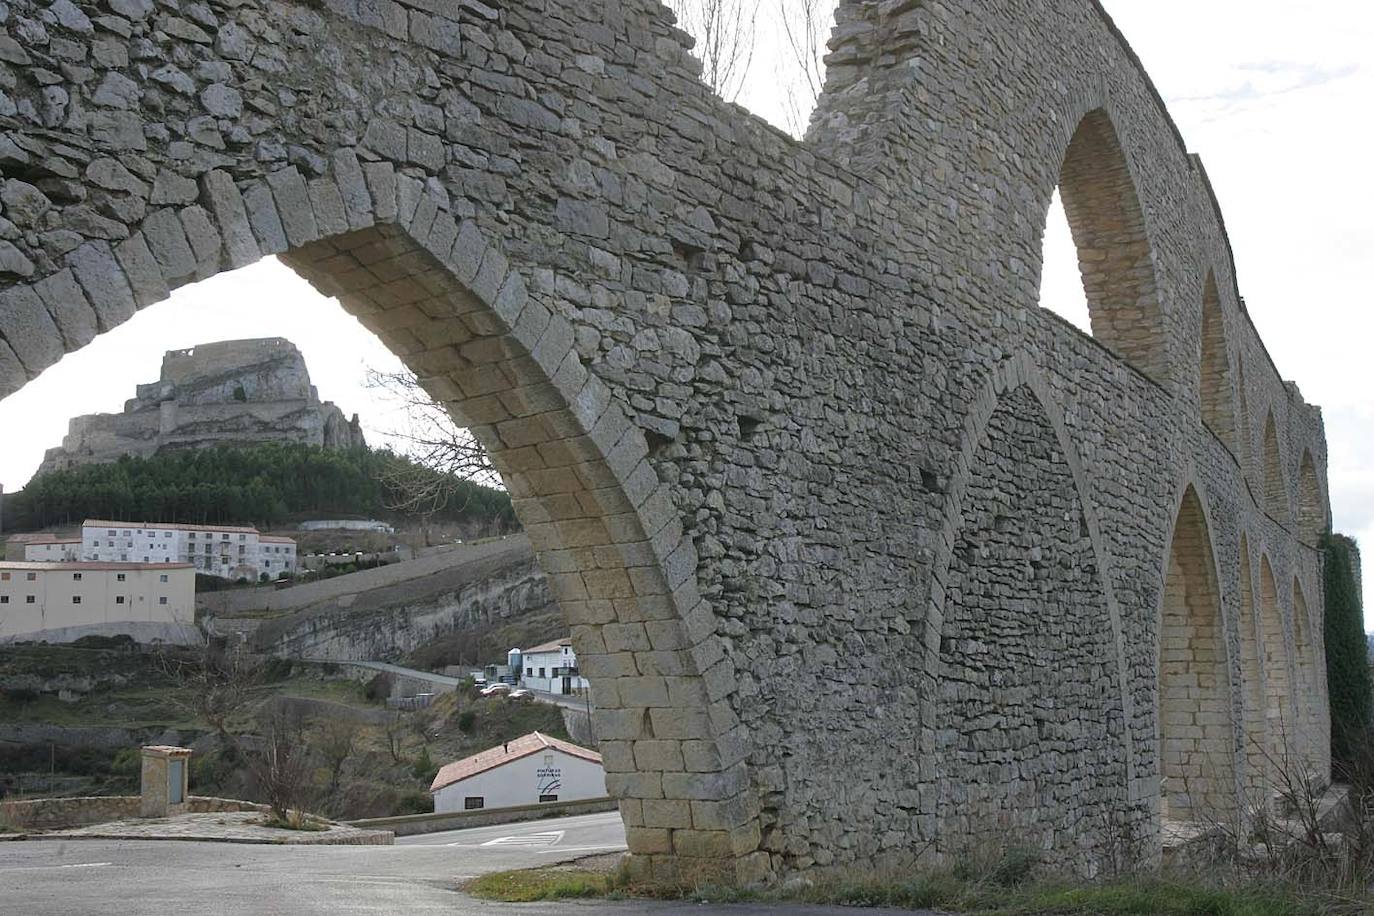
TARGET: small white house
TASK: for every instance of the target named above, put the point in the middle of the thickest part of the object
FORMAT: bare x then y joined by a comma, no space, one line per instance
531,770
552,668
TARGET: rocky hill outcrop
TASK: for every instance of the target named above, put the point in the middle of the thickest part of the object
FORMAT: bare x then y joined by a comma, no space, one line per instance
224,393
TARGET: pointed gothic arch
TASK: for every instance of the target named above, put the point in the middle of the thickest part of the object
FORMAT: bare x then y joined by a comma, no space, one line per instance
1026,641
1197,745
1278,685
1311,505
1252,680
1275,486
1305,683
1216,393
445,299
1114,255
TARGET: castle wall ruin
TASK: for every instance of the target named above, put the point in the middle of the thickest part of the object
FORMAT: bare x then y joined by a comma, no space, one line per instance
868,557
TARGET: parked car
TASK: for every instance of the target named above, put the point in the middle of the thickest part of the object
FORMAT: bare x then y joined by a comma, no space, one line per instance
492,690
519,692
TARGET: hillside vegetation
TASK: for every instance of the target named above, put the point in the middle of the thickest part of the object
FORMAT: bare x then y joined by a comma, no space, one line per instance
265,484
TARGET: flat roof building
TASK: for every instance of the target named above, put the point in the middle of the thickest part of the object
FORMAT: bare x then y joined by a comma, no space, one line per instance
226,551
63,601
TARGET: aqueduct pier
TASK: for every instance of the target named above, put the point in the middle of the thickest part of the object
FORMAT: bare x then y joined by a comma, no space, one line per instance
867,556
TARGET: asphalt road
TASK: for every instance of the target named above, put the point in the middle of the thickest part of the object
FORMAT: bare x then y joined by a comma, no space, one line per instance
417,877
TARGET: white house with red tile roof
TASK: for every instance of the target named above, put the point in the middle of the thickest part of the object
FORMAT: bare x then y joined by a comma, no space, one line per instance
530,770
552,668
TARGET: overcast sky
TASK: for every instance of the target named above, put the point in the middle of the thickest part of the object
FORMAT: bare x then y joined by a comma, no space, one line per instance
1277,98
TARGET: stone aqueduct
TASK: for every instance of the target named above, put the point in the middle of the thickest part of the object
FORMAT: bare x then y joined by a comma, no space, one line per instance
869,557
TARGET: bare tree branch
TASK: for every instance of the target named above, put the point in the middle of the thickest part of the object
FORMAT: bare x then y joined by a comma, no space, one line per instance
805,24
442,456
725,31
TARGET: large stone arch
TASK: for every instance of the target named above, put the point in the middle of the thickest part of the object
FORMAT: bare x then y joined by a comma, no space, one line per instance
453,308
1196,740
1309,728
1278,677
1024,551
1114,251
1216,389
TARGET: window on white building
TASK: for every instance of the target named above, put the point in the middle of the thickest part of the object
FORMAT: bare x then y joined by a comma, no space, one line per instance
4,599
119,599
162,600
30,599
119,577
111,532
4,577
76,599
548,798
76,577
473,802
162,578
31,576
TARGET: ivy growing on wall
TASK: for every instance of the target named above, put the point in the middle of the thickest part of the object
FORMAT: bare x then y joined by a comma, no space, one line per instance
1347,663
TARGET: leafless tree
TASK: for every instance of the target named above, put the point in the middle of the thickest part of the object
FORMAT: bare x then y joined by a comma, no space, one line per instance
394,731
280,764
216,684
439,456
335,740
805,24
725,32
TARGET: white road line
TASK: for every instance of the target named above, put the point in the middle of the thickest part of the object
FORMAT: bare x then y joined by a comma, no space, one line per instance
528,839
51,867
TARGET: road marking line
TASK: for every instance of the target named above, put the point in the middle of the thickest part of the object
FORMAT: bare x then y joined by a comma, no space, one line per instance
87,865
528,839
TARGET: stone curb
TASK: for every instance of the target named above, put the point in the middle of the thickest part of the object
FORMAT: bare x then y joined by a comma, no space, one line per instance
373,838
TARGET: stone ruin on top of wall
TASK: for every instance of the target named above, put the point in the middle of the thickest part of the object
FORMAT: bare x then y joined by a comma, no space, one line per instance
867,557
229,392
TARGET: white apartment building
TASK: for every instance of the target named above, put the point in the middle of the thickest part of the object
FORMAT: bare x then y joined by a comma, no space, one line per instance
217,550
61,602
552,668
53,550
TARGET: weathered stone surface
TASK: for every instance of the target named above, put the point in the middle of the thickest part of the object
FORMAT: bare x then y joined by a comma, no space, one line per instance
24,203
897,562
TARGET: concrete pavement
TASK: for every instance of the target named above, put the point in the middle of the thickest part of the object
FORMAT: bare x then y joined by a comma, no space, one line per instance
418,877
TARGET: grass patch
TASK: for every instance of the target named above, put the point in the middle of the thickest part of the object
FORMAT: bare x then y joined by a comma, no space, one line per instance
940,890
531,884
295,820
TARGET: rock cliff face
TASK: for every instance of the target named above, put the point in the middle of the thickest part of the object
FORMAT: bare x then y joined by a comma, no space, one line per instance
229,392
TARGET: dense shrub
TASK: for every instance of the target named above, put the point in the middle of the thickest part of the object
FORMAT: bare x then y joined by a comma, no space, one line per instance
1347,664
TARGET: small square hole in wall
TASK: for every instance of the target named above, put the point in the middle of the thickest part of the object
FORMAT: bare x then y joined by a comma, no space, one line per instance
749,427
929,481
691,255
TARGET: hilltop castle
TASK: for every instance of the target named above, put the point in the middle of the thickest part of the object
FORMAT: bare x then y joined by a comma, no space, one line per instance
228,392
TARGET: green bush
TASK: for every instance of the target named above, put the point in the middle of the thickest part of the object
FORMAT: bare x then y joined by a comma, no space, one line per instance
1347,653
415,803
424,767
467,720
